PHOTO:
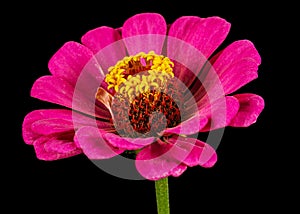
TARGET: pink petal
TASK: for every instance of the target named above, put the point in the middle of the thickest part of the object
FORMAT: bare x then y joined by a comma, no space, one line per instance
163,159
146,30
176,171
188,127
207,87
127,143
220,112
57,90
205,34
188,60
53,89
69,61
93,145
99,38
199,153
75,121
76,64
56,147
106,45
55,121
251,105
29,135
236,65
52,125
197,39
152,164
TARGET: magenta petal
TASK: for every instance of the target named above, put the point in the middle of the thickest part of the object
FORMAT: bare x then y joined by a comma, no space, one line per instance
93,145
236,65
191,41
188,61
163,159
199,153
106,44
55,121
237,50
152,26
220,113
99,38
177,171
188,127
127,143
76,65
56,147
206,34
53,89
69,61
47,126
251,105
52,125
153,164
30,135
56,90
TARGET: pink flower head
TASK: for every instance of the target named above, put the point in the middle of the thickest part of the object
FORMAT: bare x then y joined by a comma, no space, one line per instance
144,88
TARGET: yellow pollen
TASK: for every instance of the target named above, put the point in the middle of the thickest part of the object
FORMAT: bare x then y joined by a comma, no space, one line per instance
158,67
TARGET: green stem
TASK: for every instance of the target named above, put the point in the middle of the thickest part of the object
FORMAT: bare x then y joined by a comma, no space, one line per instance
162,196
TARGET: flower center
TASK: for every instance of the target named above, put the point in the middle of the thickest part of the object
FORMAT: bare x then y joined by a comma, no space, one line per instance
155,108
125,68
143,103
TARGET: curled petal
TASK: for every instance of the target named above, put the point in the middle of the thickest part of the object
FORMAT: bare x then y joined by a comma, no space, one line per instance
162,159
178,170
220,113
198,152
93,145
251,105
55,121
54,147
128,143
31,132
153,164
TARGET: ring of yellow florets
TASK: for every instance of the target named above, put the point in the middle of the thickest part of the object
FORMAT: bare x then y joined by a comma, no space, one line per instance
158,67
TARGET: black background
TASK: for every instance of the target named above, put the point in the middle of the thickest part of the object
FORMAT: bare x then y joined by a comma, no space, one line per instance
246,174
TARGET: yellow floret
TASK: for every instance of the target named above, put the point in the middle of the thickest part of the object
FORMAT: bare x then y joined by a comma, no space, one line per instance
159,68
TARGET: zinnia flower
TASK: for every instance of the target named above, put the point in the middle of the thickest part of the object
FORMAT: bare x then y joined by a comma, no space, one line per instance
152,92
